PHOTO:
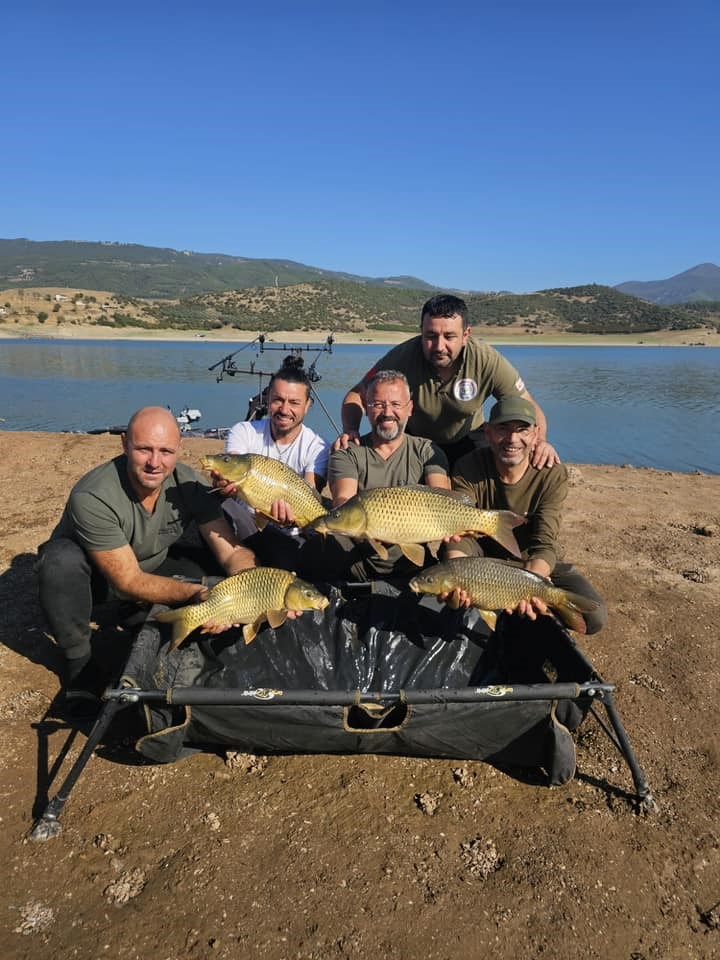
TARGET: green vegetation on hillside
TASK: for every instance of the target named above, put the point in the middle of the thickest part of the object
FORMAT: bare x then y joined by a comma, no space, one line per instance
587,309
326,305
156,272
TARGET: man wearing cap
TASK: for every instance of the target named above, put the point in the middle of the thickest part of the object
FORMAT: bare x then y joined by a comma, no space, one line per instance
502,477
450,375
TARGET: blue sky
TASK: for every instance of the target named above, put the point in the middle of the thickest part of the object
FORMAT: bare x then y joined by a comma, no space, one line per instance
478,146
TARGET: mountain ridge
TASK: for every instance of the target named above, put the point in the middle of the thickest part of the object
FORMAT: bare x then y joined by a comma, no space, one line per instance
159,272
697,284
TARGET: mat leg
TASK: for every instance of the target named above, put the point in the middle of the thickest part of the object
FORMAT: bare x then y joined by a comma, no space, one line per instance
48,825
642,788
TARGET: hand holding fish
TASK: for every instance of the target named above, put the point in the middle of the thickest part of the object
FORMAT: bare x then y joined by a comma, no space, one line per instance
530,608
226,488
283,513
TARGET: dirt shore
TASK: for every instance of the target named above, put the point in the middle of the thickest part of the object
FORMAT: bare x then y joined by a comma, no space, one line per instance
360,857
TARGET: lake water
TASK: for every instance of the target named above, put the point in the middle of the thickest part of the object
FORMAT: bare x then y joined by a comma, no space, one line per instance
647,406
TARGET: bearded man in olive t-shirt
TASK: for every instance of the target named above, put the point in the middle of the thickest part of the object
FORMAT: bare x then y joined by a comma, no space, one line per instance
450,374
384,457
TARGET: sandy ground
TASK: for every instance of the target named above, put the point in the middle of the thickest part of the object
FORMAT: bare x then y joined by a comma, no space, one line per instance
374,857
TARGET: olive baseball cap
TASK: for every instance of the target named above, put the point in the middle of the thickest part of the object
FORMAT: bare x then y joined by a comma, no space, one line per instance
513,408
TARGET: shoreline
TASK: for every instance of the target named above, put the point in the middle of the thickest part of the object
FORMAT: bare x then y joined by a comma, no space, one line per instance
674,338
191,443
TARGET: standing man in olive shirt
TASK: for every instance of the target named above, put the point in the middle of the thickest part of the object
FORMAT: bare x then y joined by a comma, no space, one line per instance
450,376
117,535
502,477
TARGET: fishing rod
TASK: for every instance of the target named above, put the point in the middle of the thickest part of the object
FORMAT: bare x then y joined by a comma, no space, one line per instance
257,406
228,365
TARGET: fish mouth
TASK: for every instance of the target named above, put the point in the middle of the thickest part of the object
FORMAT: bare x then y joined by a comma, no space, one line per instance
414,585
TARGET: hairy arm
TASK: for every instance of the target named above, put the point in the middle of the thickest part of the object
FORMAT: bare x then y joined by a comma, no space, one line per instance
352,411
122,570
544,454
228,551
342,490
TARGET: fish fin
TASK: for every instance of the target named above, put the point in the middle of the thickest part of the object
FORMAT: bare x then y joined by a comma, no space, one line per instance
506,522
434,547
490,618
415,553
379,548
453,600
180,629
250,632
276,618
261,521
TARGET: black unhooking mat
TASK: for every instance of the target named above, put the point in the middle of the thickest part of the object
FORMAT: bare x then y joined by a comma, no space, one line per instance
377,649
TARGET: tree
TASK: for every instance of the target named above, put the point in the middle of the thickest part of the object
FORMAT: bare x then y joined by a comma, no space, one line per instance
42,316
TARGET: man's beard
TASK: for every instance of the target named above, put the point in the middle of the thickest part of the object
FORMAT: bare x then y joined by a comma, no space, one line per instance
390,429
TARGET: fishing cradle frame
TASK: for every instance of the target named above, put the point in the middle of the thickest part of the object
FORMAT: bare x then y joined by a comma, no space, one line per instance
591,694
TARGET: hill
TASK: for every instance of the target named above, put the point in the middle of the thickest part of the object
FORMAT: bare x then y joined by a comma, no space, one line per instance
348,307
696,284
587,309
156,272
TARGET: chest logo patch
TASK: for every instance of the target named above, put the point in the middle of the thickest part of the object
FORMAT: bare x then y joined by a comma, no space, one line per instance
465,390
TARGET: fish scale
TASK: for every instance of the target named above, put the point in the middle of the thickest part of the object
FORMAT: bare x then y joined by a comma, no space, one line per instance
417,514
498,585
246,598
261,480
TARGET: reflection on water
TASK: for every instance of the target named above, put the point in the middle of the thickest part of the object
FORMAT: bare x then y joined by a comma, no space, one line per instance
649,406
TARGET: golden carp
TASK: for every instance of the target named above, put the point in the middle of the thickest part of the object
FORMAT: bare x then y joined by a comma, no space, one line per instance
250,597
496,585
261,481
413,515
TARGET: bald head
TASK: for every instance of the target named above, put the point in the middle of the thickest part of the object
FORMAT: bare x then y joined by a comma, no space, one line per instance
151,445
153,418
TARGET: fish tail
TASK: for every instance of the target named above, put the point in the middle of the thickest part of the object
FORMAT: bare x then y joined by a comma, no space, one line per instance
570,608
506,523
182,626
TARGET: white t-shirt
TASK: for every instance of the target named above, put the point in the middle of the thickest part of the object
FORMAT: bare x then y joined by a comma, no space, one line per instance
307,453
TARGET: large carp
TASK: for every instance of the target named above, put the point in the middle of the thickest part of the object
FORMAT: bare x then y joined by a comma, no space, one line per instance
414,515
260,481
495,585
250,597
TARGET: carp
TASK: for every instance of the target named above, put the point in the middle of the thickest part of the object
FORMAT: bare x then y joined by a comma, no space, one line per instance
495,585
249,597
414,515
261,481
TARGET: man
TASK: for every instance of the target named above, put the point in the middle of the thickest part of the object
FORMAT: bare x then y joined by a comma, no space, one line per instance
450,375
384,457
502,477
283,436
118,537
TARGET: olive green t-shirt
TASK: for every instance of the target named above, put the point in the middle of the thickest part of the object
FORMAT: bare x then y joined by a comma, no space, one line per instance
103,512
448,412
409,464
539,495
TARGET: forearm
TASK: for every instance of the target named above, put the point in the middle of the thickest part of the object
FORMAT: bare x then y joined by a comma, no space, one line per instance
539,416
151,588
353,409
539,566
